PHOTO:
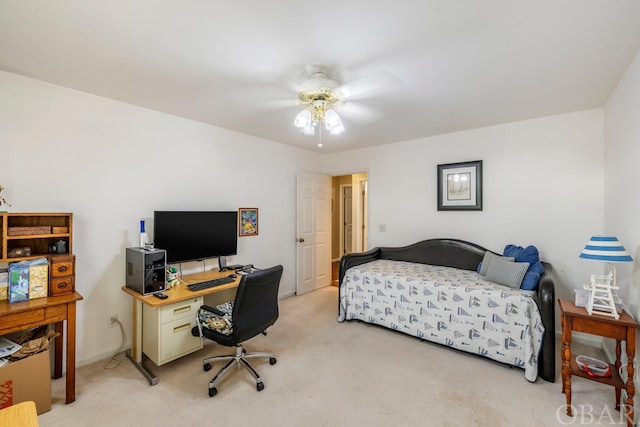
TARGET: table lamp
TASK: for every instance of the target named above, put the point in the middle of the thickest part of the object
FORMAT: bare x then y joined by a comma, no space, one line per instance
609,250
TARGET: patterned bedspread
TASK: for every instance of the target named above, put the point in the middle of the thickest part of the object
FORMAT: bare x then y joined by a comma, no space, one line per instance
449,306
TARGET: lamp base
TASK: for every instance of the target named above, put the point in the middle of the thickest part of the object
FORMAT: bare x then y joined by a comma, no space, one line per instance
601,299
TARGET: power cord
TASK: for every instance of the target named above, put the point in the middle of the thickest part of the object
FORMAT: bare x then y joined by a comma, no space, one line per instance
113,359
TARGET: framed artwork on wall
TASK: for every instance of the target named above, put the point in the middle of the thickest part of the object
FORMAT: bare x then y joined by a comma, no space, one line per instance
460,186
248,222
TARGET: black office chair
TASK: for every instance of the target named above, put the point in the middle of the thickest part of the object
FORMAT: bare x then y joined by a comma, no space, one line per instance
255,309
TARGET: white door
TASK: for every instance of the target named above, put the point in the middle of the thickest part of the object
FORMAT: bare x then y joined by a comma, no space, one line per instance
314,232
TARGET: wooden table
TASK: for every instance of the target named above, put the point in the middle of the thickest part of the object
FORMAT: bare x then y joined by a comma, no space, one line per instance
624,329
19,316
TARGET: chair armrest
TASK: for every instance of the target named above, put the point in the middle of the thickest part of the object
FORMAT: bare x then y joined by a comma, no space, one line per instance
212,310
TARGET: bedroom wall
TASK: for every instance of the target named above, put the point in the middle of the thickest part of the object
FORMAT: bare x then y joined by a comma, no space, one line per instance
543,186
112,164
622,204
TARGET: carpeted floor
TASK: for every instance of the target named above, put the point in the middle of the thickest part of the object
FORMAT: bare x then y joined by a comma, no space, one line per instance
329,374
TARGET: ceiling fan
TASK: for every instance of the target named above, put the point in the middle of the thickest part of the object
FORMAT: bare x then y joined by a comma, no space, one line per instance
322,91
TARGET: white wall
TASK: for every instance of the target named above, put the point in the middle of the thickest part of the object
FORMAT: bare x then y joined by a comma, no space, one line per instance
622,163
542,186
112,164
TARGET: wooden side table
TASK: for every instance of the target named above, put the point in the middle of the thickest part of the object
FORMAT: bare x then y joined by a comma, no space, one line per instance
624,329
58,310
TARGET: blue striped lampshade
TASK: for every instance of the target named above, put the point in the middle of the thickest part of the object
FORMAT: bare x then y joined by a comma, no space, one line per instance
605,248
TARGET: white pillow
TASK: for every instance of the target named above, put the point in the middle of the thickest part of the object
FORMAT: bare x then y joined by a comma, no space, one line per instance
488,258
507,273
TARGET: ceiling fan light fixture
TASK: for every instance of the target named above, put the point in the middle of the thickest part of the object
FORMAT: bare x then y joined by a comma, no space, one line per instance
305,122
303,119
333,123
321,98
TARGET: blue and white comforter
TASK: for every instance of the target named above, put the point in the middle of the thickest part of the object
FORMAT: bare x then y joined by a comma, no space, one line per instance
449,306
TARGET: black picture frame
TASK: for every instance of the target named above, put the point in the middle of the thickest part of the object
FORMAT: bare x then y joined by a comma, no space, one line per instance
460,186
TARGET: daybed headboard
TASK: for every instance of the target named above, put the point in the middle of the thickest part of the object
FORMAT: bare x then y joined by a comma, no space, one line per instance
447,252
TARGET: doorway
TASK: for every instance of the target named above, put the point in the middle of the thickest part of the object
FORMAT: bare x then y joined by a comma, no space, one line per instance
349,218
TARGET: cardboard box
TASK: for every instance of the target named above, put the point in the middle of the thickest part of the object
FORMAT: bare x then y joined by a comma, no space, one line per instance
27,379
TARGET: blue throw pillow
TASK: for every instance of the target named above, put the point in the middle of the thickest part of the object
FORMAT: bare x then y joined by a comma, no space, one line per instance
512,250
537,268
531,281
531,255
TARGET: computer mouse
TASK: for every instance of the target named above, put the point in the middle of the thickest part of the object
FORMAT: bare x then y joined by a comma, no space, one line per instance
233,276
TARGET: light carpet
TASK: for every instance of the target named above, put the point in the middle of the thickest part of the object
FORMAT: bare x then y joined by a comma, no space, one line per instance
329,374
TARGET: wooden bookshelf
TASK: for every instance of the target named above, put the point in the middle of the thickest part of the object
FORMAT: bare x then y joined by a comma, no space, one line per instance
50,228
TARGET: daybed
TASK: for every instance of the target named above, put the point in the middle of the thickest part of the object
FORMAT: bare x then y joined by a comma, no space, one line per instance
432,290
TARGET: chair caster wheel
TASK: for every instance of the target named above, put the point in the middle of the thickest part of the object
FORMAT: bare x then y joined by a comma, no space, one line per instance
213,391
260,386
207,367
272,361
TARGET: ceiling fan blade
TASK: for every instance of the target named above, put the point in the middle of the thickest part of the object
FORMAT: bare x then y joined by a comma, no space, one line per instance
281,103
374,84
358,111
291,82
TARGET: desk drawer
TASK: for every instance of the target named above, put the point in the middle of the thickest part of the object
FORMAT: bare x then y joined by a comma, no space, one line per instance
176,340
25,318
62,267
180,310
61,285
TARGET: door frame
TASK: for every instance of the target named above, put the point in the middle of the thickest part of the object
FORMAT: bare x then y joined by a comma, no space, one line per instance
341,218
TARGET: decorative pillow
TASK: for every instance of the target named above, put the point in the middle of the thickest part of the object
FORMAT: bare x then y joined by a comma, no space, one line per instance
537,268
220,323
486,261
531,255
531,281
507,273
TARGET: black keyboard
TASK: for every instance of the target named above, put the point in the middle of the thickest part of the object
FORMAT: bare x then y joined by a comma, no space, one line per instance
210,283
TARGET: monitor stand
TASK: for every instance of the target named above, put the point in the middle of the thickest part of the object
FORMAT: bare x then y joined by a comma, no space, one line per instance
222,263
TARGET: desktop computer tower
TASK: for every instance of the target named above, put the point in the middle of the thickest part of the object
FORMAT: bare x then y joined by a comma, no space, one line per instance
146,270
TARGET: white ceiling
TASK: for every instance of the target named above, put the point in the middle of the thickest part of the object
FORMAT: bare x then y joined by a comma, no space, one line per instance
456,64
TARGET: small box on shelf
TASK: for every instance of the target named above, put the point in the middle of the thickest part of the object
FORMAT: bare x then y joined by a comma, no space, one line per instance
19,252
28,231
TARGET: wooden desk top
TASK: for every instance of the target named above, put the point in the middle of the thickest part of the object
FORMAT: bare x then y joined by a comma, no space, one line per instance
16,307
180,292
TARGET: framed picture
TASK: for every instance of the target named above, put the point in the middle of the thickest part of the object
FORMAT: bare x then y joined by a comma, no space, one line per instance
460,186
248,222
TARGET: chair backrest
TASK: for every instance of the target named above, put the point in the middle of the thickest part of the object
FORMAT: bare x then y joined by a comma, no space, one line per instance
256,304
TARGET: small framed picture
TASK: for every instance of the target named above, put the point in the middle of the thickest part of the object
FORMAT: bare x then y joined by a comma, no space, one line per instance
248,222
460,186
